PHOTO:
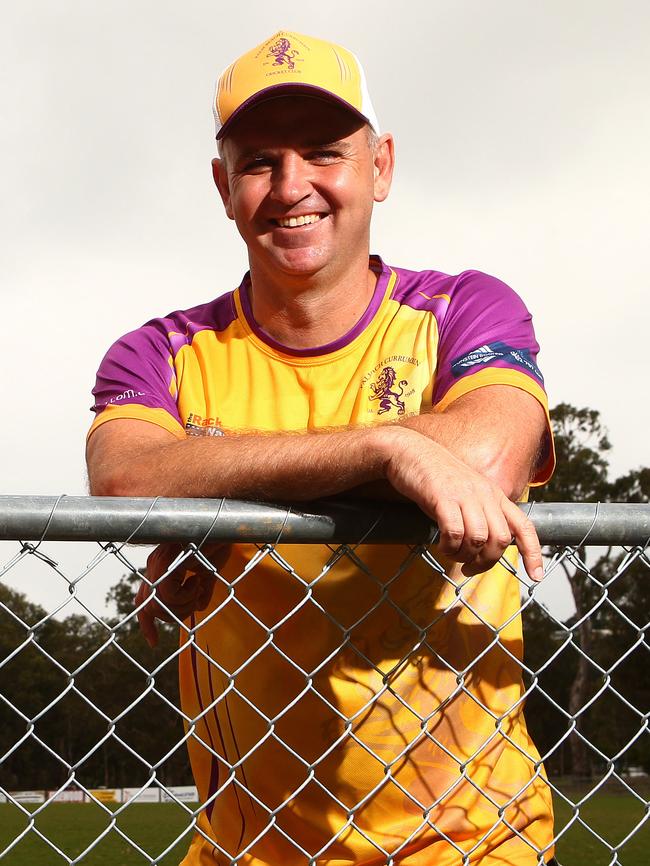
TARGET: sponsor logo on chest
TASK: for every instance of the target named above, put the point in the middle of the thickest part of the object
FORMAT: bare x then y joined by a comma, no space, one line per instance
197,425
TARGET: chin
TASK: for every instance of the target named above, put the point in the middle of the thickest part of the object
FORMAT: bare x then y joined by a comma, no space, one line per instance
299,265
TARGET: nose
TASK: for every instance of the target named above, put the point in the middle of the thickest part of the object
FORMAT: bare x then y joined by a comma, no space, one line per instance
291,179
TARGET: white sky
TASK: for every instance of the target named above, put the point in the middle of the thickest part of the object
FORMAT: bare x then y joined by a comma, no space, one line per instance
523,134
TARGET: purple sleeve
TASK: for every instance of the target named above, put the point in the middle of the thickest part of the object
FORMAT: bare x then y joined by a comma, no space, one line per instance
138,369
485,326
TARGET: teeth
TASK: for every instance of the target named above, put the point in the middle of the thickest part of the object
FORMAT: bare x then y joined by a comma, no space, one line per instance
292,222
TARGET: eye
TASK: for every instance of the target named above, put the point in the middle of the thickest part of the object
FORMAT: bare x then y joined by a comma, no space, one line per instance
323,156
255,165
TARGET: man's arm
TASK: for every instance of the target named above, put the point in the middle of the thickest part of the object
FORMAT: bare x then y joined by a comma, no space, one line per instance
476,519
498,430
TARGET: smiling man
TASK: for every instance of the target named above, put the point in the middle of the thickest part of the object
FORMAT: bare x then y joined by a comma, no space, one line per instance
384,722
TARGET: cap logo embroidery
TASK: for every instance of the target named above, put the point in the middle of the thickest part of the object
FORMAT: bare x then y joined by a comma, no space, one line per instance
283,53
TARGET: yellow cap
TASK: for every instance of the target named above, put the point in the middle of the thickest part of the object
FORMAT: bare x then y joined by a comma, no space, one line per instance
287,63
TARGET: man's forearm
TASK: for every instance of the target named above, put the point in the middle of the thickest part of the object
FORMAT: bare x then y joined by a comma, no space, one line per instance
475,518
498,439
255,466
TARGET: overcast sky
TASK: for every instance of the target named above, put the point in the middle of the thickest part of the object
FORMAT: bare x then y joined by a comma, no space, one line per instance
522,131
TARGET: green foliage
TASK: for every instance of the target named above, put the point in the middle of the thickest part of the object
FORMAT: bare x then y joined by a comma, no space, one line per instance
75,721
582,474
605,653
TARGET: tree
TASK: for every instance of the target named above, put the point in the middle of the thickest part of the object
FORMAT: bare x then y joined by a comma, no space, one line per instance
79,681
152,728
601,593
28,685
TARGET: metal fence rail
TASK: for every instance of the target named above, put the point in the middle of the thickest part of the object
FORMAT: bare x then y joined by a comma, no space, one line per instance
88,518
338,655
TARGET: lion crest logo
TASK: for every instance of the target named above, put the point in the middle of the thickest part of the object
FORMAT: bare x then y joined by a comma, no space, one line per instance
384,391
283,53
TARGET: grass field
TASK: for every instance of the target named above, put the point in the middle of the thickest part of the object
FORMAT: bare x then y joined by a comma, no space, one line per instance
154,826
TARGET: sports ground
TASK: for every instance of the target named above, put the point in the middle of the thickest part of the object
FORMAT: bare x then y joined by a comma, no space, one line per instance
153,827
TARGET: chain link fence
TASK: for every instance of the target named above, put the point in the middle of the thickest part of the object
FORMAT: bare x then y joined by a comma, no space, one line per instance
345,695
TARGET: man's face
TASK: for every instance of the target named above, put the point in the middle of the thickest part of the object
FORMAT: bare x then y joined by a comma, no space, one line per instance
299,176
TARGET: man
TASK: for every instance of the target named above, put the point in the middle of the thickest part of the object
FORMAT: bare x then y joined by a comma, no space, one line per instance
384,720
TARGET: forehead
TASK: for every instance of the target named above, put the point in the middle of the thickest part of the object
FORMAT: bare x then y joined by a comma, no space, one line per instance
291,120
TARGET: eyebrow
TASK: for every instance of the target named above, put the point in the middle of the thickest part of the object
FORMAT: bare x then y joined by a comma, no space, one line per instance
339,144
313,144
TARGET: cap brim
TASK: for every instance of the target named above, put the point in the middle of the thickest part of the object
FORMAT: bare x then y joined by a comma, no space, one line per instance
278,90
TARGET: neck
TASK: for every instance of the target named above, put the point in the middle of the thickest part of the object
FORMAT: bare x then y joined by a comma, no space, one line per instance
310,311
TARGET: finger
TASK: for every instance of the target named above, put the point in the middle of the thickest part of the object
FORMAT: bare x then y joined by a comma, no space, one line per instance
451,528
196,594
147,623
170,610
196,567
193,593
215,553
204,594
475,529
147,613
143,591
161,558
525,536
171,605
499,538
177,591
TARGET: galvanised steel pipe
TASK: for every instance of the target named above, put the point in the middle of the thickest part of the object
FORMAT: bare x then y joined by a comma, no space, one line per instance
149,521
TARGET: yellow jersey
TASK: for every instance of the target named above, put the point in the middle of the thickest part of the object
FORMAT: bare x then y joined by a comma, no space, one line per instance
349,705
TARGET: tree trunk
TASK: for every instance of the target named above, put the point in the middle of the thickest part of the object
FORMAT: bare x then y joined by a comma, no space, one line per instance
106,771
579,693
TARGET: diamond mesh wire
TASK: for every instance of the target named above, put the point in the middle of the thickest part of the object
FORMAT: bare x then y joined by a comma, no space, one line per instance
339,701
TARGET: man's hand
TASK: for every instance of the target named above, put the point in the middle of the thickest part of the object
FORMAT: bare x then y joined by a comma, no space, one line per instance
476,519
187,588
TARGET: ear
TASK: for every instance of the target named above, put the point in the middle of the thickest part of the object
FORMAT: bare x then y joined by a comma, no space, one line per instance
384,163
220,175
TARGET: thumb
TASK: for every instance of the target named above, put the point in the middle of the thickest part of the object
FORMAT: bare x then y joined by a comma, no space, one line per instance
145,615
147,623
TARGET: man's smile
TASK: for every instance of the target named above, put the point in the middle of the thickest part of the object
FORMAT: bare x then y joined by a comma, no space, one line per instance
294,221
